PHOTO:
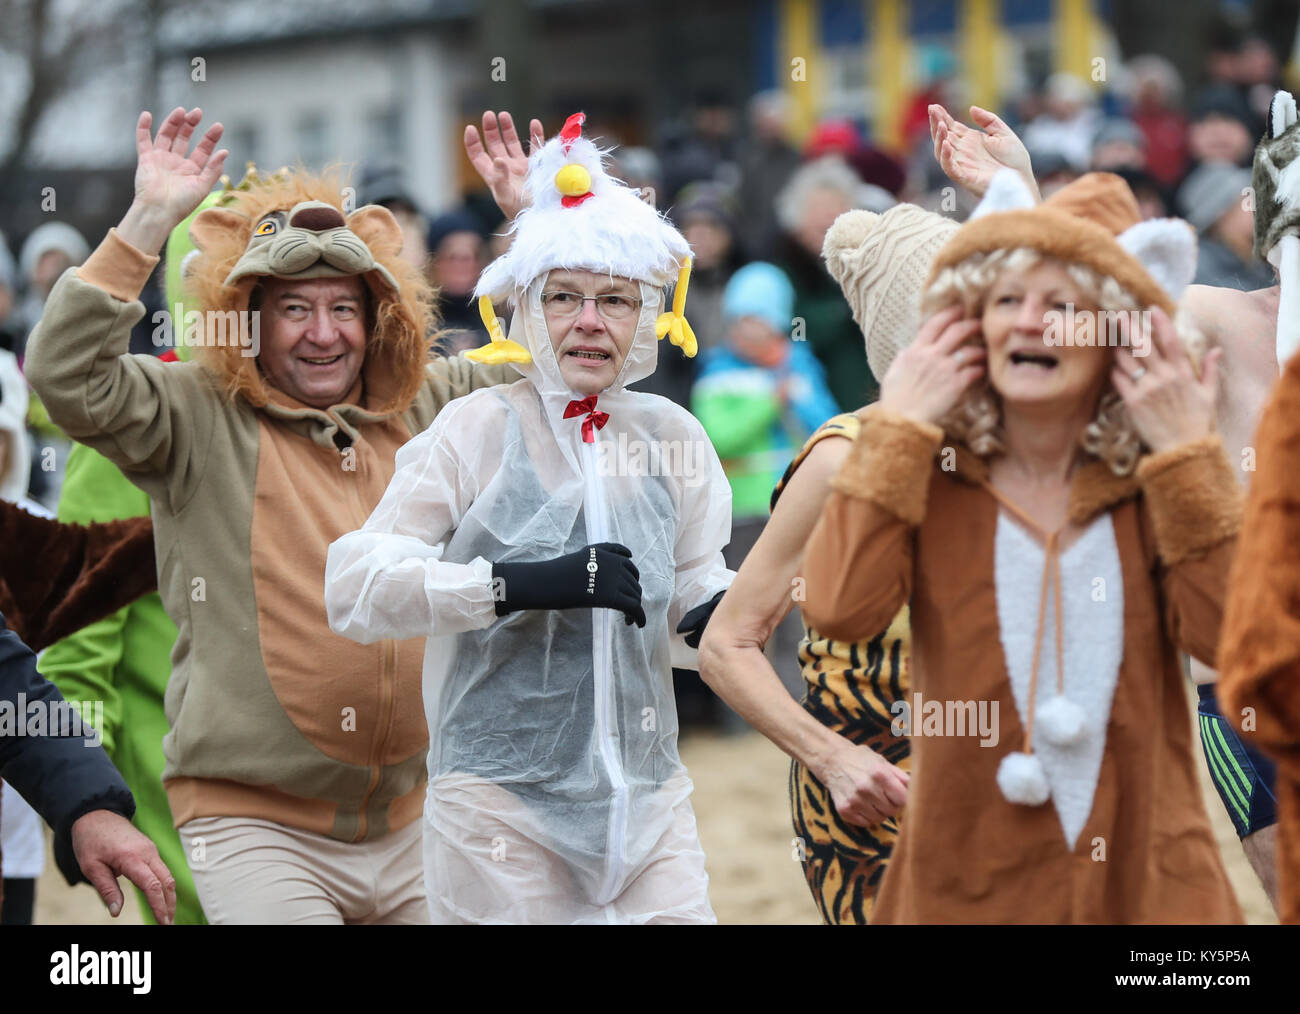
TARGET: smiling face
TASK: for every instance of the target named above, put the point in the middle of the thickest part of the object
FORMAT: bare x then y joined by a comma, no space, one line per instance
590,347
1022,367
313,335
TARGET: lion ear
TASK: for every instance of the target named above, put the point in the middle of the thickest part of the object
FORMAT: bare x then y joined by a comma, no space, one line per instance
212,223
378,229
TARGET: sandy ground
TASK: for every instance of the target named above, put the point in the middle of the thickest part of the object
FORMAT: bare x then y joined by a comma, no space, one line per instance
744,817
744,820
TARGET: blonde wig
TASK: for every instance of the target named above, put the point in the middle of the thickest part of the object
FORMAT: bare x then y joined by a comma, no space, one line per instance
977,419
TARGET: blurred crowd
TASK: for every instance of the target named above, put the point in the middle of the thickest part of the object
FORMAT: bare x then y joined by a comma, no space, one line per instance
743,192
780,351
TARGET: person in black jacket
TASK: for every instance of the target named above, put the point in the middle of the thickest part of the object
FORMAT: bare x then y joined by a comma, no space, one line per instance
71,783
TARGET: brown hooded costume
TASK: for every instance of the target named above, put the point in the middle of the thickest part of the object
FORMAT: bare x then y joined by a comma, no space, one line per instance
1259,655
1112,828
272,715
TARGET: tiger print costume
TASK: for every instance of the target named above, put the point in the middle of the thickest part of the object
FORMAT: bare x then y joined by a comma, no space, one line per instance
850,687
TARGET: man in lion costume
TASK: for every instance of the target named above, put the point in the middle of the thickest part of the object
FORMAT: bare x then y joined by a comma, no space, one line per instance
295,760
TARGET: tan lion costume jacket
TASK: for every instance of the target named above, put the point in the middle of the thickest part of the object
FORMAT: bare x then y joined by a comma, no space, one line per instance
272,715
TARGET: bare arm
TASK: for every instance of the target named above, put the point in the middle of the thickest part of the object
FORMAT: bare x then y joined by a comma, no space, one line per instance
132,409
864,786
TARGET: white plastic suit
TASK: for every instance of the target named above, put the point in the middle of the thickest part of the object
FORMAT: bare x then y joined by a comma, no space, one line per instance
555,789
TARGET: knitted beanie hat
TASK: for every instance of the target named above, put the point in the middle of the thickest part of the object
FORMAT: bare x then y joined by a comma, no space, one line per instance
882,263
1093,221
47,237
760,290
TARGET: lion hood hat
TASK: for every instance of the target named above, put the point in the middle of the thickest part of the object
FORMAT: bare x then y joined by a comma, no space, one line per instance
293,225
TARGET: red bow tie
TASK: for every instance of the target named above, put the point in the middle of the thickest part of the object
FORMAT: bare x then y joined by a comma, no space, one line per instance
587,406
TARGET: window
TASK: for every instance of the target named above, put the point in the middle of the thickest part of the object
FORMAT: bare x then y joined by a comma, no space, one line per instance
313,141
385,136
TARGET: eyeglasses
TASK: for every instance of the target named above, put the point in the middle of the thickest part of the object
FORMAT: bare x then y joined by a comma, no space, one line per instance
610,305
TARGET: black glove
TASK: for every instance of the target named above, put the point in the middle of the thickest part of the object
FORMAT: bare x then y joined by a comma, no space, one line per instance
602,575
694,622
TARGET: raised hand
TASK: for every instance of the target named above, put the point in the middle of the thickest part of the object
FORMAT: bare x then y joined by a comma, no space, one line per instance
928,378
970,157
169,183
1168,403
498,157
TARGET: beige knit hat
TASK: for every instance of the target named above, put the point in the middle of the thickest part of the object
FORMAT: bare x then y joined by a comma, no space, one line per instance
882,263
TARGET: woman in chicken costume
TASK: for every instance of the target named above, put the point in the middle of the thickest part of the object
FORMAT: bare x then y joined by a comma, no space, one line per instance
555,579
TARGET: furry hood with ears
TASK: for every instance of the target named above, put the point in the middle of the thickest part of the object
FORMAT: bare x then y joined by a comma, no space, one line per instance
397,348
1093,221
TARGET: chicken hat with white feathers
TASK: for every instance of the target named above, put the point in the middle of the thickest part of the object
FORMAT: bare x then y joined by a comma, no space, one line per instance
578,217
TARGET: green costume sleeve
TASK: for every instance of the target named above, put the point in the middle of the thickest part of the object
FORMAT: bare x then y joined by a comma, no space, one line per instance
82,665
736,423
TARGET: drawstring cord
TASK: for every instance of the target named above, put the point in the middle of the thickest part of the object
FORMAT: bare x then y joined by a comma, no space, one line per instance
1051,575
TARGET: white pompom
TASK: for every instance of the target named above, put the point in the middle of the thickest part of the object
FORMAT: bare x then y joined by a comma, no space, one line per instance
1022,779
1060,721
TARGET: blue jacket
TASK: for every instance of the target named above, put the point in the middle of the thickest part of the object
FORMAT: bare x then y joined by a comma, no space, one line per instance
63,777
740,407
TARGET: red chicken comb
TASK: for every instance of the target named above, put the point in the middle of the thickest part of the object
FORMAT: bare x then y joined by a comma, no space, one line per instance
572,129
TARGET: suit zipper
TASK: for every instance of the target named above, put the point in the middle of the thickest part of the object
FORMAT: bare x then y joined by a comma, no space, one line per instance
387,677
606,726
386,695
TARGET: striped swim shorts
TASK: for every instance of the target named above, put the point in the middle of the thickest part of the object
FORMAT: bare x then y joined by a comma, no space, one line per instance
1243,775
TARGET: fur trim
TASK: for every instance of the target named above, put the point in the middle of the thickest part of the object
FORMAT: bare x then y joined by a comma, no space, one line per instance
1166,247
1096,488
56,578
1078,224
1194,498
890,464
1006,192
1057,234
396,348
